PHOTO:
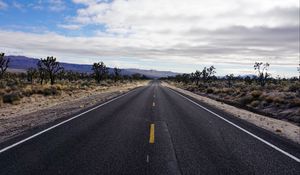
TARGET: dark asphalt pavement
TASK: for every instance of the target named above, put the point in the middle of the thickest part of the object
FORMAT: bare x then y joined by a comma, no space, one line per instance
114,139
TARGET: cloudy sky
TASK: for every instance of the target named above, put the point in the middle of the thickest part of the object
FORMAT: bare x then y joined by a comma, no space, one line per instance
176,35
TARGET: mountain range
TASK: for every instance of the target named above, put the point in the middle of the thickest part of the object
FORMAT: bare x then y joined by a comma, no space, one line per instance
22,63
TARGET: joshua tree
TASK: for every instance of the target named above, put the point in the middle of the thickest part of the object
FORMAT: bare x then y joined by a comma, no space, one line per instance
3,64
207,73
49,66
229,79
42,72
100,71
262,72
117,74
31,74
198,76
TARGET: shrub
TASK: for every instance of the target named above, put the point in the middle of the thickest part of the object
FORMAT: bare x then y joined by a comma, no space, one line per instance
227,91
209,91
51,91
12,98
269,99
27,92
246,100
294,88
295,103
59,87
256,93
1,101
255,103
278,100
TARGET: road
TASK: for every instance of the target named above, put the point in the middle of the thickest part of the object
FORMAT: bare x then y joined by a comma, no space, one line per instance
151,130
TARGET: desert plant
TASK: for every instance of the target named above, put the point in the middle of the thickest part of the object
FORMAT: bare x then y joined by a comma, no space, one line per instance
117,74
51,67
12,98
256,93
100,71
207,73
31,74
229,79
42,72
245,100
3,64
255,103
197,76
262,72
209,91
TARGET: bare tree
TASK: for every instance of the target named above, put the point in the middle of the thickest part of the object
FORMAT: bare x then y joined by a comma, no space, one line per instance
49,66
262,72
100,71
3,64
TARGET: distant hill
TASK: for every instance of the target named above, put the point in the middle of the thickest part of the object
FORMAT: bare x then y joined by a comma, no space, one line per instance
22,63
152,73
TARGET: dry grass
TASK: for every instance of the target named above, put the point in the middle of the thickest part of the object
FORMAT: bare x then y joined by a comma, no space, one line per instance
280,127
281,100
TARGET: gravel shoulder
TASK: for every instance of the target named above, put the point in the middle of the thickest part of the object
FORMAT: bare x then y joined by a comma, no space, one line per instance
38,110
282,128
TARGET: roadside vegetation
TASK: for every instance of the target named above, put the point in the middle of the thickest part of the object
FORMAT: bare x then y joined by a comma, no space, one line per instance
261,93
49,78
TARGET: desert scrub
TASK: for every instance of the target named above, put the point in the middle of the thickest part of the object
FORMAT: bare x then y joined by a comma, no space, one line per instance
227,90
255,103
294,87
51,91
1,101
27,91
246,100
209,90
295,103
12,98
256,93
269,99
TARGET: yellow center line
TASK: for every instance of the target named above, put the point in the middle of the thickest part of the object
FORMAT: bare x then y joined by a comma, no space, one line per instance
151,139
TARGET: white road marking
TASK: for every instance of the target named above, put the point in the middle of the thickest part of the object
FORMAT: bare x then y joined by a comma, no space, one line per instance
242,129
147,159
63,122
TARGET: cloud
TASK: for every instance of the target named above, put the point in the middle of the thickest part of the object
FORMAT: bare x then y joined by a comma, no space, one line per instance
18,6
3,5
57,5
69,26
52,5
185,34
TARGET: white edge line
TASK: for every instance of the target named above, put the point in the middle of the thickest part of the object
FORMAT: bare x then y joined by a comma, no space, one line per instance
63,122
248,132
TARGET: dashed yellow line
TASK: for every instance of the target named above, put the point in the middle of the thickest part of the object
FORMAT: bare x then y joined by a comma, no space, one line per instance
151,138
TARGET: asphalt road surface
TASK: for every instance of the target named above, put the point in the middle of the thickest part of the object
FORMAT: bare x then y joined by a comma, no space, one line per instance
150,130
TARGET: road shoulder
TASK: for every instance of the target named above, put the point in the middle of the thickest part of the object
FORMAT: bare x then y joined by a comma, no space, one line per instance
13,127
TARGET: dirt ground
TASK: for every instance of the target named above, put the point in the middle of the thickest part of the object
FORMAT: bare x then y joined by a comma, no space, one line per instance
37,110
282,128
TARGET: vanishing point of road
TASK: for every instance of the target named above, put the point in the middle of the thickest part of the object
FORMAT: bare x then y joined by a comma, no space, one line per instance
150,130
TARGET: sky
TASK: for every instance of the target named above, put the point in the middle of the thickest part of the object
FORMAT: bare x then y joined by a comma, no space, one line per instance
175,35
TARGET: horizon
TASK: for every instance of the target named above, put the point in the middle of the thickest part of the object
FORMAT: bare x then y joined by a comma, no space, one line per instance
177,36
